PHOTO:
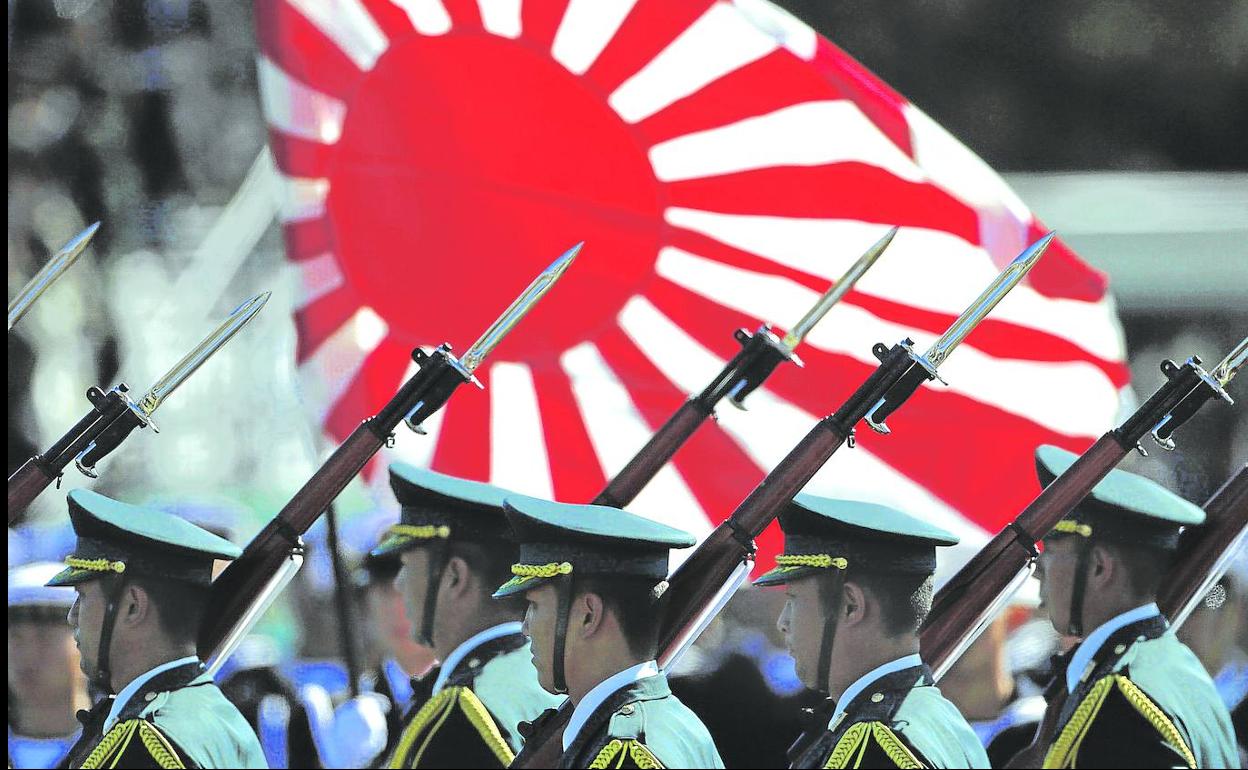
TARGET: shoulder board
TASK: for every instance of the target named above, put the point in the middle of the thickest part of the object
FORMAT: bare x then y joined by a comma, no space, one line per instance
134,743
871,744
626,753
626,723
451,706
1076,728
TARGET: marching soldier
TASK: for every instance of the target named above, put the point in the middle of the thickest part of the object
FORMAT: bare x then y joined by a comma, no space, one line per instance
142,578
1131,694
455,547
858,578
592,576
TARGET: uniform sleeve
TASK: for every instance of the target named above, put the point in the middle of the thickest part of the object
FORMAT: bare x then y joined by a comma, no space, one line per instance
452,729
629,752
1118,725
136,743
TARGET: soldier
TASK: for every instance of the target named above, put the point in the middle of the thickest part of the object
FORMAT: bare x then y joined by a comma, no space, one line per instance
858,578
455,547
142,579
45,686
592,576
1131,694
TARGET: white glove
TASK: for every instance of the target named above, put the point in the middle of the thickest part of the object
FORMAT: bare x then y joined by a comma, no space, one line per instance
358,732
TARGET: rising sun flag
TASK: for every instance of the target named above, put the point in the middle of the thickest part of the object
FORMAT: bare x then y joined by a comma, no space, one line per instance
723,164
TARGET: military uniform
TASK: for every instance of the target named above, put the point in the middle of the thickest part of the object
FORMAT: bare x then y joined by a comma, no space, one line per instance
1135,696
630,719
172,715
893,715
465,712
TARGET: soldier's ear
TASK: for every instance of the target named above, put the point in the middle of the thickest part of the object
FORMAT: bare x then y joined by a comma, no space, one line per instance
457,575
853,604
136,605
590,610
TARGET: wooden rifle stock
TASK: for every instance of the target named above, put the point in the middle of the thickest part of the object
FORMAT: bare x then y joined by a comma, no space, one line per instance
25,485
1202,548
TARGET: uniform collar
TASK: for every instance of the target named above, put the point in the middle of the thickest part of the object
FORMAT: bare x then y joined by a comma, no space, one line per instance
603,690
866,680
1093,642
136,684
473,642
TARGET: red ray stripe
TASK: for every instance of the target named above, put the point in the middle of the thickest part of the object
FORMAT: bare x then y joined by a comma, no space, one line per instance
718,472
1001,339
831,191
294,156
773,82
874,97
317,321
649,28
392,19
306,239
464,439
464,13
539,21
574,468
374,384
288,38
988,479
1060,273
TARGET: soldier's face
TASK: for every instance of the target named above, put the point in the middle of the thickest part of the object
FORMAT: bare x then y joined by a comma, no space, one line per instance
413,582
41,661
539,626
801,625
86,620
1056,571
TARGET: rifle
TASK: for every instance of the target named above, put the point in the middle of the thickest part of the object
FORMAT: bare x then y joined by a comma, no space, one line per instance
114,416
760,354
47,275
697,588
1205,551
250,584
965,605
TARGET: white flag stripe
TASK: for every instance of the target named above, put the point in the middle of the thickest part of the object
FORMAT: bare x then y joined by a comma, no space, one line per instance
429,17
332,367
297,109
501,17
300,199
585,30
410,446
927,269
617,430
1024,388
518,458
791,32
719,42
349,25
772,426
318,276
807,134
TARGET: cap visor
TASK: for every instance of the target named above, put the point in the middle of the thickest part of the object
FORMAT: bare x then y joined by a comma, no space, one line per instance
518,585
781,575
72,576
394,544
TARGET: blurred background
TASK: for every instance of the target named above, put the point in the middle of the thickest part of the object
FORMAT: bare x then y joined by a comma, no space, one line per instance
1120,122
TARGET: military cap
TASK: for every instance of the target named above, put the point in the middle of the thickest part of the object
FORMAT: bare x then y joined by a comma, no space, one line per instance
31,598
437,506
561,539
115,538
821,533
1123,507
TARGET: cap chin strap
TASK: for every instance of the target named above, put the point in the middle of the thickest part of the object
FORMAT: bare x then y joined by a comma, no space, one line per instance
563,590
832,595
103,676
437,563
1083,554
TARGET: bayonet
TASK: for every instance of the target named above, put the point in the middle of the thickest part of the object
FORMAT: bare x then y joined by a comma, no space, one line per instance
55,268
1203,387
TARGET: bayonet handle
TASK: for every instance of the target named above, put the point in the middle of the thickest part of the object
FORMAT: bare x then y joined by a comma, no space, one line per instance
1181,381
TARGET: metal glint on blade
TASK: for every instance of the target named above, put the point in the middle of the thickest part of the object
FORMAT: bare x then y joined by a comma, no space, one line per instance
47,275
1225,371
926,365
1206,386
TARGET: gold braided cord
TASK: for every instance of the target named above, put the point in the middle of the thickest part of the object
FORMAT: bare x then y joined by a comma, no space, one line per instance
541,570
95,565
485,725
443,715
1063,751
851,743
643,757
893,747
426,714
817,560
608,753
425,532
1155,716
109,743
1071,527
159,747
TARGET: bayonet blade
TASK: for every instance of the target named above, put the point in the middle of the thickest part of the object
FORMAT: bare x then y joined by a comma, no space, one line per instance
471,359
241,316
838,290
55,268
981,307
1230,366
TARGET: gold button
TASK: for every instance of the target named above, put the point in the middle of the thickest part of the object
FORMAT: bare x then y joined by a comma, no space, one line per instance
151,696
1120,649
474,663
877,697
626,709
1140,638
